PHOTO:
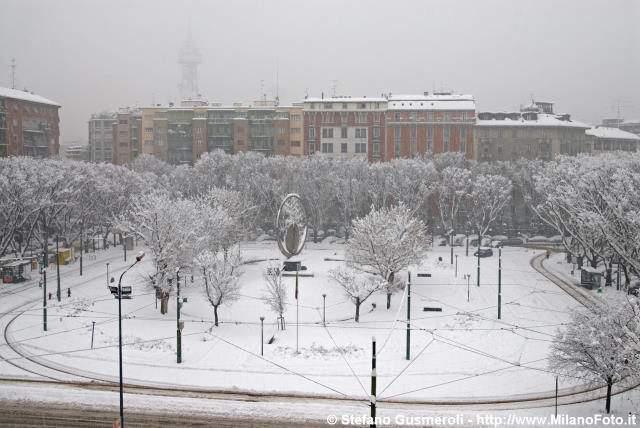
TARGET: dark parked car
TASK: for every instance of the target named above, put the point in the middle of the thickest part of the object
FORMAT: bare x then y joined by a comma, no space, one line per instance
484,252
635,290
512,241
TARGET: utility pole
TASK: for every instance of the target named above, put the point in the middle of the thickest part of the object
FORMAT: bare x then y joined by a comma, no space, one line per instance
373,383
409,318
452,247
479,241
44,291
297,310
556,396
467,276
618,277
58,268
324,300
456,274
81,242
124,246
107,274
262,336
178,331
13,73
499,283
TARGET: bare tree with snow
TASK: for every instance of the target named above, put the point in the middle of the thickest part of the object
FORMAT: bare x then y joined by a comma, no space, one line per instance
489,195
220,272
385,242
357,287
276,292
601,345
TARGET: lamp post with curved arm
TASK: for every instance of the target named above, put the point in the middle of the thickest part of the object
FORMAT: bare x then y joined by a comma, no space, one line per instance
138,258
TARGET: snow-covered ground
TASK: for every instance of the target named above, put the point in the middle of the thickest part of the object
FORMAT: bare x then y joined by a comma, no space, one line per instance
462,353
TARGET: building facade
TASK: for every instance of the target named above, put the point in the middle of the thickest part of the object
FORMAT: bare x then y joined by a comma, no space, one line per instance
180,135
534,132
29,124
424,125
345,127
101,136
604,139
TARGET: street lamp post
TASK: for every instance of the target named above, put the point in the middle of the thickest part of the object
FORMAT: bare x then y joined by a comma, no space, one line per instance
124,246
138,258
262,336
479,243
499,283
107,274
44,290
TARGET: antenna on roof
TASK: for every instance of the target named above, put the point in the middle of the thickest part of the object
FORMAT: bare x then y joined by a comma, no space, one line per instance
618,106
334,85
13,73
277,83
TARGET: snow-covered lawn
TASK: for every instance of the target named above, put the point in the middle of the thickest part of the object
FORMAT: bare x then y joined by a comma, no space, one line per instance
461,352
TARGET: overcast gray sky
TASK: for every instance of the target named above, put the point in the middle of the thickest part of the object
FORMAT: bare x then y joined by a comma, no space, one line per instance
100,55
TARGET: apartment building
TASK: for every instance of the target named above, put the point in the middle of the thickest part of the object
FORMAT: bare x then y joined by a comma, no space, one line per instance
29,124
345,127
534,132
126,135
428,124
604,139
101,136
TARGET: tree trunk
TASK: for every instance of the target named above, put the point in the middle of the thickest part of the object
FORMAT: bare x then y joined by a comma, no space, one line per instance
388,300
594,262
215,314
627,277
609,385
357,309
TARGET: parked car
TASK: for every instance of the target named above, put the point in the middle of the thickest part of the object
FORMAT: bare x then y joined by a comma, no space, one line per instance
483,252
512,241
635,290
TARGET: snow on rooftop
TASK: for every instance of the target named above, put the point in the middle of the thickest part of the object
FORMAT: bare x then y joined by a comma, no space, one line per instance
604,132
25,96
544,119
433,104
346,100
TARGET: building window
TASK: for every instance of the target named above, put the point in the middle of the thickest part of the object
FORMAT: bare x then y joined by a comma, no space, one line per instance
124,133
430,116
295,117
199,130
463,147
414,148
344,106
159,142
463,132
413,131
397,116
295,144
361,132
446,132
148,143
396,148
312,148
328,105
123,121
464,115
361,147
327,147
312,132
327,117
429,131
361,117
429,146
376,132
327,132
396,132
282,130
362,105
343,133
148,130
412,116
199,142
499,149
281,142
295,130
445,146
376,148
500,132
343,147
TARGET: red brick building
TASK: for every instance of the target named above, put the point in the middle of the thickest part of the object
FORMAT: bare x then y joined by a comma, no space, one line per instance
424,125
29,124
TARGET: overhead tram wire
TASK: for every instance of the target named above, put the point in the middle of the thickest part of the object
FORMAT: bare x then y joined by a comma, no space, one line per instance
366,394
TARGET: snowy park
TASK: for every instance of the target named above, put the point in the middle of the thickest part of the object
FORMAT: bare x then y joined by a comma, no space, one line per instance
232,286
